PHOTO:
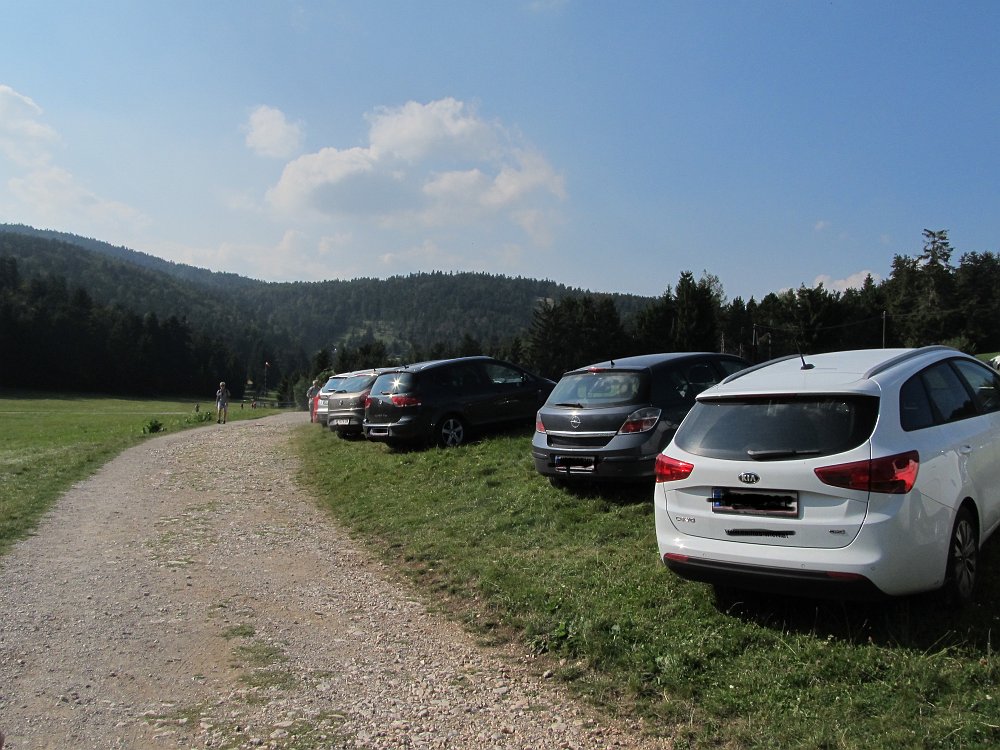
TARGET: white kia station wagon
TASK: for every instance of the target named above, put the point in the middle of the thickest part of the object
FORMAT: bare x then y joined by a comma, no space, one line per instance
850,474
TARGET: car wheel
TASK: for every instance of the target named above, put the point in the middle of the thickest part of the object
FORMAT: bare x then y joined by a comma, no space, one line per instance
963,559
450,432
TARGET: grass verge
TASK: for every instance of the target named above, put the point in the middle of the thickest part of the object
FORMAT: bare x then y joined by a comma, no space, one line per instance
47,443
575,576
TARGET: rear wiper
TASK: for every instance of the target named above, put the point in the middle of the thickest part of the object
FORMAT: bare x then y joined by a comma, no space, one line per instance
575,406
768,455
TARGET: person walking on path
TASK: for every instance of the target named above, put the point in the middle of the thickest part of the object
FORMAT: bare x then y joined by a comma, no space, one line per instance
311,400
221,403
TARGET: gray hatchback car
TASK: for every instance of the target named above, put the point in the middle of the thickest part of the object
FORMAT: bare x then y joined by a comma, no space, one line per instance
610,420
346,402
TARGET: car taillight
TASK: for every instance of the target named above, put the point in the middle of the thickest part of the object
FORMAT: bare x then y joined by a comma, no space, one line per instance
539,426
894,475
368,401
671,469
642,420
405,401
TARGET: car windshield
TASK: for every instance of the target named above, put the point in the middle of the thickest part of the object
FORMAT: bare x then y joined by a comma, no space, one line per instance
600,388
777,428
393,382
355,384
332,384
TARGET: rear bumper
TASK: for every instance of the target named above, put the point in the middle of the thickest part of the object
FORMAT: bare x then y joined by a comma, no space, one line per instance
901,549
345,422
593,464
772,580
401,431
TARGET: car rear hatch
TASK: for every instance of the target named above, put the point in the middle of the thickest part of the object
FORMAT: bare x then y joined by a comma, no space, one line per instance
587,408
349,398
771,470
390,398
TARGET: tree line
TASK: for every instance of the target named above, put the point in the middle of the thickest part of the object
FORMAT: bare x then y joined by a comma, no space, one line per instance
926,299
55,336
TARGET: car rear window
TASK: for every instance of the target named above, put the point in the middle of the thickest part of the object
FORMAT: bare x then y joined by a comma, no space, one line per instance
777,428
393,382
355,384
601,388
331,384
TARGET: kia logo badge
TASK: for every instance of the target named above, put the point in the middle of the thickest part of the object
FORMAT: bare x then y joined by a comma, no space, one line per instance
748,477
574,421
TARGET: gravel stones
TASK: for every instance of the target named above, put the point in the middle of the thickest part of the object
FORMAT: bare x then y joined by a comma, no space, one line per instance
190,595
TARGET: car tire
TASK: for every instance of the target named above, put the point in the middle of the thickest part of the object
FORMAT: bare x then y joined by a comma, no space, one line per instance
558,483
450,432
963,559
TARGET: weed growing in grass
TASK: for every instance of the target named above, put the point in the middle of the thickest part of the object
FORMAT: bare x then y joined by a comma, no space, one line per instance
574,576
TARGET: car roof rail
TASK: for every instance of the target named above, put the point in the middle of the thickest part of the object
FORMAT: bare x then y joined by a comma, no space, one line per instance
758,366
883,366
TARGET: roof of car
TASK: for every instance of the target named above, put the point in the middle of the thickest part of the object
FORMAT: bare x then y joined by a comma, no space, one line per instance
644,361
428,364
857,371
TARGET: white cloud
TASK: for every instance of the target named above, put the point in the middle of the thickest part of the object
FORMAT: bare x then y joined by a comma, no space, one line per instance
854,281
821,225
426,168
24,138
41,192
303,180
270,134
415,131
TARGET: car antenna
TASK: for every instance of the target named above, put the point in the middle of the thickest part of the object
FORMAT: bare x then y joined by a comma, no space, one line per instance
805,365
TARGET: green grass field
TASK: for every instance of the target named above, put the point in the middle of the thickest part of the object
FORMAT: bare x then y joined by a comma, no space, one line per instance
47,443
575,577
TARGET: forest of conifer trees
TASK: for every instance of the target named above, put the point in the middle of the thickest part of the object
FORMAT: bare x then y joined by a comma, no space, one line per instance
56,337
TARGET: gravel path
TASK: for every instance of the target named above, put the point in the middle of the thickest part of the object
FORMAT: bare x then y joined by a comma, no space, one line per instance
190,595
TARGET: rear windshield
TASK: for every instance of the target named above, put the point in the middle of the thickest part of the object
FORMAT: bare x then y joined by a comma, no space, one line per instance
777,428
355,384
393,382
600,388
331,384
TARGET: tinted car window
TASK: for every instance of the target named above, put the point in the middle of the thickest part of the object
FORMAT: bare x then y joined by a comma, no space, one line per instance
393,382
948,394
461,378
501,374
769,429
670,388
983,382
332,384
915,410
600,388
354,384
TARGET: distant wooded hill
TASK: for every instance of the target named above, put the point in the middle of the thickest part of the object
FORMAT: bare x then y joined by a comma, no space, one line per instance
118,319
293,321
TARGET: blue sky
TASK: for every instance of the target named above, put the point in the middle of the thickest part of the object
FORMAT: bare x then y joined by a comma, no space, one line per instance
608,146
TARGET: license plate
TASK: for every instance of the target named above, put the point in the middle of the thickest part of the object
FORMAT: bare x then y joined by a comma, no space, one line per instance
739,502
574,464
341,421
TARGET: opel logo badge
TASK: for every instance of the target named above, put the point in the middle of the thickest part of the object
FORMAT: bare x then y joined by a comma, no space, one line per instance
574,421
748,477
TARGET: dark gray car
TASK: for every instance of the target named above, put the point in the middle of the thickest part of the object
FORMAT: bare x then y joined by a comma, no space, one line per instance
610,420
346,403
440,402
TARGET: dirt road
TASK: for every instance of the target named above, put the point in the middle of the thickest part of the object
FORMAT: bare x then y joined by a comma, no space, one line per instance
191,595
